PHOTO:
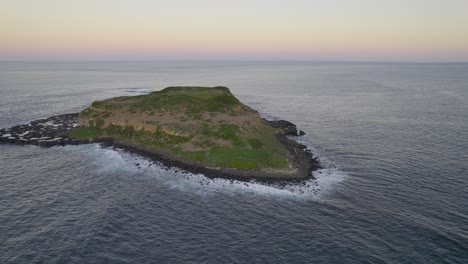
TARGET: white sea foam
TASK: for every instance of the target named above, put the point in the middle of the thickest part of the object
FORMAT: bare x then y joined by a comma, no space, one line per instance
107,160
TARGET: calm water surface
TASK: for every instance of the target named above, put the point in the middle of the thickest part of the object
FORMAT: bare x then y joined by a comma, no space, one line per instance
393,138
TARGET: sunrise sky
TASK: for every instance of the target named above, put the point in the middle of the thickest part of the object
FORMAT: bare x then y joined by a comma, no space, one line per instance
356,30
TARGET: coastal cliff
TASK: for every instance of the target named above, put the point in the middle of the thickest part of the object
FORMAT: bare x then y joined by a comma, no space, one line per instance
199,129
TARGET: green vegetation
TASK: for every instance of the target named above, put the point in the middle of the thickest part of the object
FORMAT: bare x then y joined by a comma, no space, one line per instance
206,125
86,132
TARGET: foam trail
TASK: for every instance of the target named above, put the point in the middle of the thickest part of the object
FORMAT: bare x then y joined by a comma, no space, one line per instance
107,160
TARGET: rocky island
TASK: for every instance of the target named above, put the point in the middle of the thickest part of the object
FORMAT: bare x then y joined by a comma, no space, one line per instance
199,129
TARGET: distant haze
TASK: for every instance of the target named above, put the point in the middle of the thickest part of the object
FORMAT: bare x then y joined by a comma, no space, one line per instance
356,30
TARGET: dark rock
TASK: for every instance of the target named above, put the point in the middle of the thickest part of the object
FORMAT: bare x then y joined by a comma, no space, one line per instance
42,132
287,127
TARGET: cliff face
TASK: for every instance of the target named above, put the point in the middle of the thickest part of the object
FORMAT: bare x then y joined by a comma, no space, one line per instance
201,124
198,129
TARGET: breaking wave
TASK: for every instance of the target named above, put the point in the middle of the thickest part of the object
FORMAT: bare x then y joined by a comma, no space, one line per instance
109,160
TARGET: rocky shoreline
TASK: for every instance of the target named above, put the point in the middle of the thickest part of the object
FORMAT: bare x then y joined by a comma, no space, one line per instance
47,132
51,131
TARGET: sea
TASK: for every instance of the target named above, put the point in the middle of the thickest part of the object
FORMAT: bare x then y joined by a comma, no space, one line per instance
392,138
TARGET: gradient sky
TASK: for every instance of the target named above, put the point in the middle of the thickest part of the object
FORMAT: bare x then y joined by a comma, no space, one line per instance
382,30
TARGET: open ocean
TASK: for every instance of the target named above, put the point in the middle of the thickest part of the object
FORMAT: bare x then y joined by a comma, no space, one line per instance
393,139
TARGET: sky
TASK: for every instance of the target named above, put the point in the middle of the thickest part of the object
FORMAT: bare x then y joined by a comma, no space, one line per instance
317,30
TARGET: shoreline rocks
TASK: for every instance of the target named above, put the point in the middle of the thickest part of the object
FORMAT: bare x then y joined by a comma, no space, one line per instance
288,128
47,132
51,131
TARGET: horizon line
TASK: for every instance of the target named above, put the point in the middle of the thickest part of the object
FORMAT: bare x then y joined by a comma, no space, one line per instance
236,60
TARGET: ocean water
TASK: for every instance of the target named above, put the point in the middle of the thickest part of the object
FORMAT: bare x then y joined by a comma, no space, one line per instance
393,139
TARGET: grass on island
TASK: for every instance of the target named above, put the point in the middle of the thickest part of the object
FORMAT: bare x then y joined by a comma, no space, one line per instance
207,125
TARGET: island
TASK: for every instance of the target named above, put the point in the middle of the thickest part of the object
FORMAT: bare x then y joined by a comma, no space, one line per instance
198,129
